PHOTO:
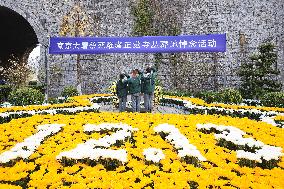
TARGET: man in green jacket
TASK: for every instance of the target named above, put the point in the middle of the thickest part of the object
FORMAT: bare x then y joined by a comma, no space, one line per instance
134,84
121,91
148,86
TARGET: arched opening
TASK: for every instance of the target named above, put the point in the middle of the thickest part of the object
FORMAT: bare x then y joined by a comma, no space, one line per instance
17,37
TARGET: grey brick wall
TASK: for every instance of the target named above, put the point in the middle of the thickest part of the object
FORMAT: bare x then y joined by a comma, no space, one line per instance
255,20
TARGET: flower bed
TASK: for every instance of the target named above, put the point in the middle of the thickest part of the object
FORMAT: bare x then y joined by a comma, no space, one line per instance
233,111
200,102
81,101
8,116
279,120
125,150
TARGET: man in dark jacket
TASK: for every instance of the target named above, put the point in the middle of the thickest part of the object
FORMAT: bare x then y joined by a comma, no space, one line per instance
134,84
148,85
121,91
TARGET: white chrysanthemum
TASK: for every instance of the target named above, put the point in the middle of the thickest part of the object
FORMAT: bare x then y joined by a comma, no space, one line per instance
153,154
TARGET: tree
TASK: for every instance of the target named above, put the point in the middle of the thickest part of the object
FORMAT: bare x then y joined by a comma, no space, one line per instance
77,23
18,73
259,75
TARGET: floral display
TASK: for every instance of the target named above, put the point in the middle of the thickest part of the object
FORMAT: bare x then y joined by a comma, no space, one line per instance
26,148
248,149
76,101
200,102
279,118
89,150
8,116
180,142
235,111
132,150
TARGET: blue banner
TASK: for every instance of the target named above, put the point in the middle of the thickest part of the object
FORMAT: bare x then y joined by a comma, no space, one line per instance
147,44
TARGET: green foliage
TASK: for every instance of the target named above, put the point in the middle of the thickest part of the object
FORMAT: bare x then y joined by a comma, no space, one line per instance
229,96
152,18
208,96
26,96
69,92
5,90
144,16
33,83
52,101
259,76
273,99
37,86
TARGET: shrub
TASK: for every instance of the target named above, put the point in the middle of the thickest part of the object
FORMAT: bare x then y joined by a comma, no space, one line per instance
273,99
5,90
69,92
230,96
208,96
227,96
26,96
260,75
52,101
33,83
37,86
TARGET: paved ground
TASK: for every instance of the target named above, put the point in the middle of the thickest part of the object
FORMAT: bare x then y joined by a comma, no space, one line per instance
157,109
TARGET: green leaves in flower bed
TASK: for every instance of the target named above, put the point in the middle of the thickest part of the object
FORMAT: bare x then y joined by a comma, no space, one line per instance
264,164
26,96
273,99
171,101
109,164
227,96
280,123
211,111
193,185
250,115
103,100
208,96
15,115
230,145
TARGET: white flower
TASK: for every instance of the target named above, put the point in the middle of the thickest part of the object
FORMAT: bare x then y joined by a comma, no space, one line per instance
179,141
248,155
235,135
30,144
191,153
153,154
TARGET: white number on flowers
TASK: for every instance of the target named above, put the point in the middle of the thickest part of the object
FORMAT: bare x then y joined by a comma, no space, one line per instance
246,148
92,149
153,155
185,150
30,144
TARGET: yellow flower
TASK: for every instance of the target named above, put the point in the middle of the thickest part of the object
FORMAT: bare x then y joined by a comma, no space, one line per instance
44,170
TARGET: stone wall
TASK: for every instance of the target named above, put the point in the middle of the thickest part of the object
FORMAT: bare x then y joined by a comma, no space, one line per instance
247,24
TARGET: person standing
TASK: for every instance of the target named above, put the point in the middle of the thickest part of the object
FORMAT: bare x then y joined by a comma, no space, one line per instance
148,85
121,91
134,84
